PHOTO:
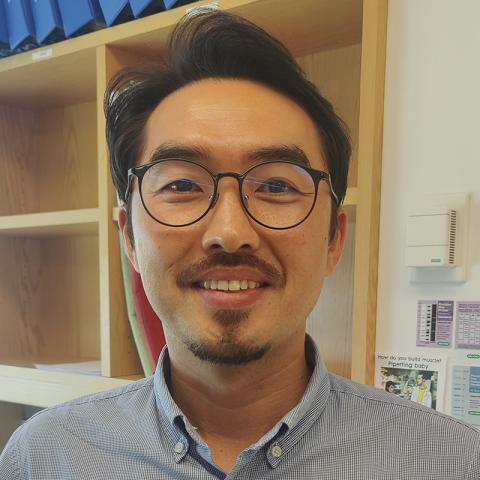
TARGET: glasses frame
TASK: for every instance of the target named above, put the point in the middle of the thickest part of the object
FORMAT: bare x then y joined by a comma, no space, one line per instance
316,175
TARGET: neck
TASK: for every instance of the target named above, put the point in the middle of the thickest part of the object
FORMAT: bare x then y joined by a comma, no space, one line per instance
240,403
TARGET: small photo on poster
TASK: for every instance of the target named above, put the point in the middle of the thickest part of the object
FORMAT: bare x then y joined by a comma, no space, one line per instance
419,379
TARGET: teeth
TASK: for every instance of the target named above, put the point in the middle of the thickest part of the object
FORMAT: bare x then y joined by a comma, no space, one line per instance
234,285
230,285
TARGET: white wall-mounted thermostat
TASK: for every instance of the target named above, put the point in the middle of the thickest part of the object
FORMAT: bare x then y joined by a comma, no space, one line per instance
436,240
431,237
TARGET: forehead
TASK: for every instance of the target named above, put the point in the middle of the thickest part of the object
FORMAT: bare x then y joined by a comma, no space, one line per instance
228,118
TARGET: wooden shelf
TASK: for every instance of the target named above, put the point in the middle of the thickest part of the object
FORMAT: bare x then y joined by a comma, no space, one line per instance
30,386
73,82
73,60
69,222
52,142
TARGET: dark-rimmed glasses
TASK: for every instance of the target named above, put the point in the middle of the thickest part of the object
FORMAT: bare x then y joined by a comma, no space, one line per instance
275,194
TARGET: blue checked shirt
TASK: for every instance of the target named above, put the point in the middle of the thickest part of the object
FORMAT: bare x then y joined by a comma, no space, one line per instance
339,430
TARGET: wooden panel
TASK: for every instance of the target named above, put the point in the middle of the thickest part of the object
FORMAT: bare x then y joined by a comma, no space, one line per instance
337,74
73,80
330,322
310,25
18,190
69,276
369,180
119,353
48,159
49,299
19,276
295,23
67,150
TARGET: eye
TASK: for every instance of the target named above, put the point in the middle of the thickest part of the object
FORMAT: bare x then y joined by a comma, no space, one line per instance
182,185
276,187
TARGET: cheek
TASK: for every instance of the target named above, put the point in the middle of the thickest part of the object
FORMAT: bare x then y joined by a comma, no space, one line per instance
159,251
308,256
160,254
157,247
159,258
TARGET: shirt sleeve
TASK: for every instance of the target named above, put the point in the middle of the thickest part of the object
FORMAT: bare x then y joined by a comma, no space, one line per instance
9,469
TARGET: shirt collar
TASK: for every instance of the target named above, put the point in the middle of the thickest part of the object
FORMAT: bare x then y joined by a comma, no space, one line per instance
287,431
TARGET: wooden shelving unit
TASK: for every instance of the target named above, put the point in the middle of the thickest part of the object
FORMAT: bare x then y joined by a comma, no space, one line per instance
61,293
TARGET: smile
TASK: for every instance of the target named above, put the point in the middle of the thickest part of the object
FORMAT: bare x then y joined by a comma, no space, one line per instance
230,285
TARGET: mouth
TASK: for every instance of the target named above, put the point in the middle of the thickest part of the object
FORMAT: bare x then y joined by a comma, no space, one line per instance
230,285
226,290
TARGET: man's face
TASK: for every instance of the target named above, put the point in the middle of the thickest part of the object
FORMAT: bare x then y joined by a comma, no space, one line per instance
228,120
420,380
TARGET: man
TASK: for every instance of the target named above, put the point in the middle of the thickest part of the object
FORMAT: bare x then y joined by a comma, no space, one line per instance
232,169
421,392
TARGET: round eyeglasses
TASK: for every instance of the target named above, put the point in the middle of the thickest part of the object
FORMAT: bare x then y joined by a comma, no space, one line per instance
276,194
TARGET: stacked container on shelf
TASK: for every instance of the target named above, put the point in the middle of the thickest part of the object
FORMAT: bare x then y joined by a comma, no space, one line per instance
28,24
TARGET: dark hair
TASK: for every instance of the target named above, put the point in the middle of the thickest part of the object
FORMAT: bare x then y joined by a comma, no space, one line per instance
216,44
389,384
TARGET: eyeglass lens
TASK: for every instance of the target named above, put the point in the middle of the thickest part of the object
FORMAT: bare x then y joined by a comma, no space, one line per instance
278,194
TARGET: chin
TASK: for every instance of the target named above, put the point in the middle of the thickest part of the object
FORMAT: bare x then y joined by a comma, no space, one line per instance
228,348
227,353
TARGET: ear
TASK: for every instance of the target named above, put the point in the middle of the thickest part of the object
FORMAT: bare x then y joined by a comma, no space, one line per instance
127,242
335,247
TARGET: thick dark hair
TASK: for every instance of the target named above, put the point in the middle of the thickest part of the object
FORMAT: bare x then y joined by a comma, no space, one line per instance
389,384
216,44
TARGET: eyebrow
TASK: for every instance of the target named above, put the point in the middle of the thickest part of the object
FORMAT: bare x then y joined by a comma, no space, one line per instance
197,153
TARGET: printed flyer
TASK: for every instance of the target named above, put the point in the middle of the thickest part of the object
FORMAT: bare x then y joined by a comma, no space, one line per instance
419,378
468,325
466,393
434,323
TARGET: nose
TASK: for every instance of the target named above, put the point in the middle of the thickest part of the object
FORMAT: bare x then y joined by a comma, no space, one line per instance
228,225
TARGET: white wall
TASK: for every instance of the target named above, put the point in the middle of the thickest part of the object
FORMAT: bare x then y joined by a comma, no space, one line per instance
431,145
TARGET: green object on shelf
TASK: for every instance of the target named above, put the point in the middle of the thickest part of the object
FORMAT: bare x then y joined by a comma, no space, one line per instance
137,331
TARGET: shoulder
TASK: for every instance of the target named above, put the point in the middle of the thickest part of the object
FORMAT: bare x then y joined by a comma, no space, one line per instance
353,398
82,433
86,415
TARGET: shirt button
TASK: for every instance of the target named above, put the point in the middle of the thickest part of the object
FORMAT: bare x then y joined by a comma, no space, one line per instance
277,451
179,447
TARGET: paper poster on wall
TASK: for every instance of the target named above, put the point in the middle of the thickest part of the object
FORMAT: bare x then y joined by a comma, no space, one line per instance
418,378
468,325
434,323
466,394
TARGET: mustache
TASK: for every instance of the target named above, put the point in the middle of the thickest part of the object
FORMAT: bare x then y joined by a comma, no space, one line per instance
191,273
